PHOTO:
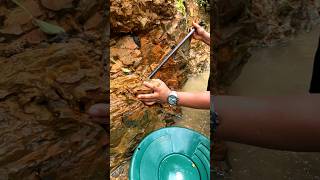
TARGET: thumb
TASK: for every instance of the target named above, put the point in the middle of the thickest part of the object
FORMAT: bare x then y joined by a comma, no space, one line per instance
196,25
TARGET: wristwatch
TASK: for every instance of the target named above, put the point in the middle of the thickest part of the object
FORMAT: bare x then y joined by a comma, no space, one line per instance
173,98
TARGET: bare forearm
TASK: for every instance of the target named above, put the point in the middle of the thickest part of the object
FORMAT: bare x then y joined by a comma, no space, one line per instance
290,123
206,38
199,100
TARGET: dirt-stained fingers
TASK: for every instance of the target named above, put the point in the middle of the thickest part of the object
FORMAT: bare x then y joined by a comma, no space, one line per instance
148,99
161,91
194,24
150,103
199,33
149,85
148,96
153,84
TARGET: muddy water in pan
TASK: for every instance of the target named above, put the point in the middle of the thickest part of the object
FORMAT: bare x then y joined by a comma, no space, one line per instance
279,70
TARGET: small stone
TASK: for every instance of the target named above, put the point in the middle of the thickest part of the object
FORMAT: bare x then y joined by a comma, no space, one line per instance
127,42
128,61
116,67
137,63
143,21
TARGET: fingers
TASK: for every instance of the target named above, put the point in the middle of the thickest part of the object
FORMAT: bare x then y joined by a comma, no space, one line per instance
148,99
150,85
196,25
155,84
196,36
199,31
148,96
160,89
150,103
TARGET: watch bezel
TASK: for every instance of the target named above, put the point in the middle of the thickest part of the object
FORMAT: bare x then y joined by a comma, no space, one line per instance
173,98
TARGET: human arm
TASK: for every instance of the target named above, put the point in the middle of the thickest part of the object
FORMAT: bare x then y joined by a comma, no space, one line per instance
287,123
201,34
199,100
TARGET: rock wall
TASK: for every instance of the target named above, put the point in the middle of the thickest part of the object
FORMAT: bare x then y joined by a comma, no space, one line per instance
140,15
47,83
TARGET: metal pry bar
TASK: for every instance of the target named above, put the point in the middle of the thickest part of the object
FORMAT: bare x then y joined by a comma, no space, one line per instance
166,58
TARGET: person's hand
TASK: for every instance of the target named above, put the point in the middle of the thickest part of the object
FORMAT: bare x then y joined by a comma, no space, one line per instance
99,113
160,92
199,34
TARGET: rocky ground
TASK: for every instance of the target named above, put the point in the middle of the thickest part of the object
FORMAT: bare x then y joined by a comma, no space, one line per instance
47,83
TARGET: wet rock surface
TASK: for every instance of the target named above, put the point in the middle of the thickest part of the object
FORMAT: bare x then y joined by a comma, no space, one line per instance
47,84
130,65
44,126
140,15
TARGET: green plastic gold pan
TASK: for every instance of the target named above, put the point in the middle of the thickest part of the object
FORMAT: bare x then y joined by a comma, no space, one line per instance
172,153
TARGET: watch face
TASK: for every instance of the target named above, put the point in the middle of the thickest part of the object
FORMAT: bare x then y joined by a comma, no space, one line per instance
172,100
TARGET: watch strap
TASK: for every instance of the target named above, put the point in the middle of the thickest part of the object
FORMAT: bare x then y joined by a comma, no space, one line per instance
173,93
